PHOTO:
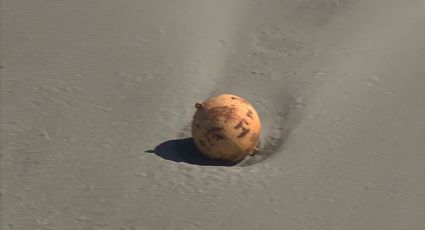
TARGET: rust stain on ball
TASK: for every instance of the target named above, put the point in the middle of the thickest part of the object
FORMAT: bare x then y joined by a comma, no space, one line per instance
226,127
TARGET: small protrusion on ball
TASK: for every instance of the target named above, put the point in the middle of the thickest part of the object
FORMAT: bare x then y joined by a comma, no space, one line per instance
255,151
199,105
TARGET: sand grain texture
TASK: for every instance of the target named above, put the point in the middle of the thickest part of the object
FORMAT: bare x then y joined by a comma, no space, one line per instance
89,86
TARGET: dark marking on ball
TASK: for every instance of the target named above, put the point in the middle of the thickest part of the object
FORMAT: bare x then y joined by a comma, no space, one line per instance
240,99
244,132
215,133
250,113
241,124
225,112
197,126
219,137
215,129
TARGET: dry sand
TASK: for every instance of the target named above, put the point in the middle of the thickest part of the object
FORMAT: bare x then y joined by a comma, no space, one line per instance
97,98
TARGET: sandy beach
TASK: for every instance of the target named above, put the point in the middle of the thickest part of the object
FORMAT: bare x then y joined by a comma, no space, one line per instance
97,99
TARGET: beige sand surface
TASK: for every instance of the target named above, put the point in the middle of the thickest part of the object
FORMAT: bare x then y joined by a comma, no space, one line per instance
97,100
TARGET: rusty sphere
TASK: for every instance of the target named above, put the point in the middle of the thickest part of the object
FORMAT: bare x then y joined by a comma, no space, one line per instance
226,127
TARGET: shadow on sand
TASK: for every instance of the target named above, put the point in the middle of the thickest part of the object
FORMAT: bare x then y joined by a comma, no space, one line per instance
184,150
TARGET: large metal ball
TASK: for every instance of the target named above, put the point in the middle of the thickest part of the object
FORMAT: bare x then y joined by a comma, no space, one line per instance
226,127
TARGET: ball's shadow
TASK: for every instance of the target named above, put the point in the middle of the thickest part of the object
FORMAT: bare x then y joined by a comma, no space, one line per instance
185,150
